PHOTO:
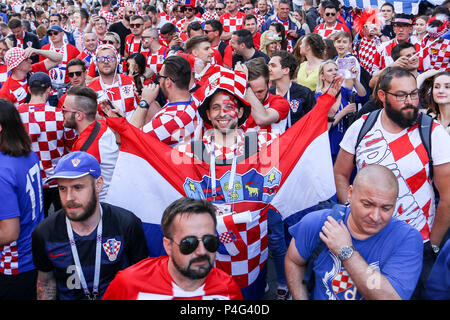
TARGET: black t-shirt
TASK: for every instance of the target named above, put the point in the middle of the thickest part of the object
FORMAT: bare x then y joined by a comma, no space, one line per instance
122,31
257,54
301,100
123,244
388,31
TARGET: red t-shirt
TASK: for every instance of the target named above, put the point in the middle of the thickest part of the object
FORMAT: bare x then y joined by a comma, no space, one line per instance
150,279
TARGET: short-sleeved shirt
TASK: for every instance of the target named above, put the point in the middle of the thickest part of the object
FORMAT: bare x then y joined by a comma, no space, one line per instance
406,156
123,244
150,280
396,251
21,197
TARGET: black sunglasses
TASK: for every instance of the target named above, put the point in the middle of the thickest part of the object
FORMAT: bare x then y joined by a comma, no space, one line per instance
330,14
107,42
190,244
77,73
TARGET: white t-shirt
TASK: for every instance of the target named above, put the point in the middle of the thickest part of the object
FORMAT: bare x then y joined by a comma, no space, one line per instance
406,156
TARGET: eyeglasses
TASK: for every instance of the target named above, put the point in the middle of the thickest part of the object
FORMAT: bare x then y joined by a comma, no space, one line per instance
414,95
189,244
44,21
54,33
76,73
248,8
158,78
64,110
208,31
330,14
188,9
135,25
108,42
110,58
219,8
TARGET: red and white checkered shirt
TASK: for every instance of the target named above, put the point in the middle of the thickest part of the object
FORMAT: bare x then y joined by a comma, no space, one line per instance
324,31
366,53
3,73
155,60
406,156
436,56
244,235
121,93
175,122
231,24
49,139
183,23
132,45
16,91
210,16
9,261
108,16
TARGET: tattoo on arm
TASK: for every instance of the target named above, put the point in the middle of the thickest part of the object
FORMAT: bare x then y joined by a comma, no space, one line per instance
46,286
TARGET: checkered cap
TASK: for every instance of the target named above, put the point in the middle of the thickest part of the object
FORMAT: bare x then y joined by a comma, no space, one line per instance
232,81
13,57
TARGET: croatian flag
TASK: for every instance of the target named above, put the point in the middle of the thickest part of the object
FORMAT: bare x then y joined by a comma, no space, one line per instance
293,173
400,6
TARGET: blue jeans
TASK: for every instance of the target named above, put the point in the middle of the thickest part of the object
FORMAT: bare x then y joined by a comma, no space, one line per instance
277,244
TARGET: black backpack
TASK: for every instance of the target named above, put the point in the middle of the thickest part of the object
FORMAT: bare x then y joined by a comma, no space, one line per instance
425,127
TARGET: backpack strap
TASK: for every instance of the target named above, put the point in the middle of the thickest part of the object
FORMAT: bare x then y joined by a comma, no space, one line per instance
425,128
367,125
338,214
91,137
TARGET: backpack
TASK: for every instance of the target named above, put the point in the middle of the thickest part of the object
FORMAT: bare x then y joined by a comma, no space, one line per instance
338,214
425,127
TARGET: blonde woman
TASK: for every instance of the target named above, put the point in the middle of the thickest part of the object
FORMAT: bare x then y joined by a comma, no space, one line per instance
270,42
343,107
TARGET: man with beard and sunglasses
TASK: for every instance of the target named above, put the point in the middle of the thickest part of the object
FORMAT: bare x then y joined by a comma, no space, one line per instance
395,141
188,272
79,249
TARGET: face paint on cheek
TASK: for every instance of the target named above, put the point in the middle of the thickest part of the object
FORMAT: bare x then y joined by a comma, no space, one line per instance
230,107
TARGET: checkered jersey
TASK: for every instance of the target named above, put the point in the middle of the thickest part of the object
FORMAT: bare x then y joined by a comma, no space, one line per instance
155,60
406,156
174,122
183,23
49,139
231,24
121,93
132,45
3,73
436,56
261,19
9,260
324,31
108,16
210,16
366,53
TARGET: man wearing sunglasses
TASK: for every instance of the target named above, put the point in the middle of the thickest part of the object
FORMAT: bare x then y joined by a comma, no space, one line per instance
133,41
394,141
331,24
187,272
122,27
60,79
190,10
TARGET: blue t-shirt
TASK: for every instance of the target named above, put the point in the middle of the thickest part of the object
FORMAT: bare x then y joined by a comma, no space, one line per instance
396,251
20,196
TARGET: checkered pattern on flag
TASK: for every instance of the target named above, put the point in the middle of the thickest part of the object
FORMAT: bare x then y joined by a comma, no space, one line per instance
289,175
403,6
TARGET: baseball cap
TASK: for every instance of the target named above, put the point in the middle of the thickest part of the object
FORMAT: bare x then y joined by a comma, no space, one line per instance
13,57
39,80
403,19
55,28
75,165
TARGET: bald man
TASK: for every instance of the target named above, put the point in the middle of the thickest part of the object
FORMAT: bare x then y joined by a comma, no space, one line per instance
368,254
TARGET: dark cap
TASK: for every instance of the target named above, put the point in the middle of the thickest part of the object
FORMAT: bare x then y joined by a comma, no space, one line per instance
39,80
403,19
55,28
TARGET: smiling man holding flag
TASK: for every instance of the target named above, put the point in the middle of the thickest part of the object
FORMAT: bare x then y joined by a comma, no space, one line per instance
242,179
